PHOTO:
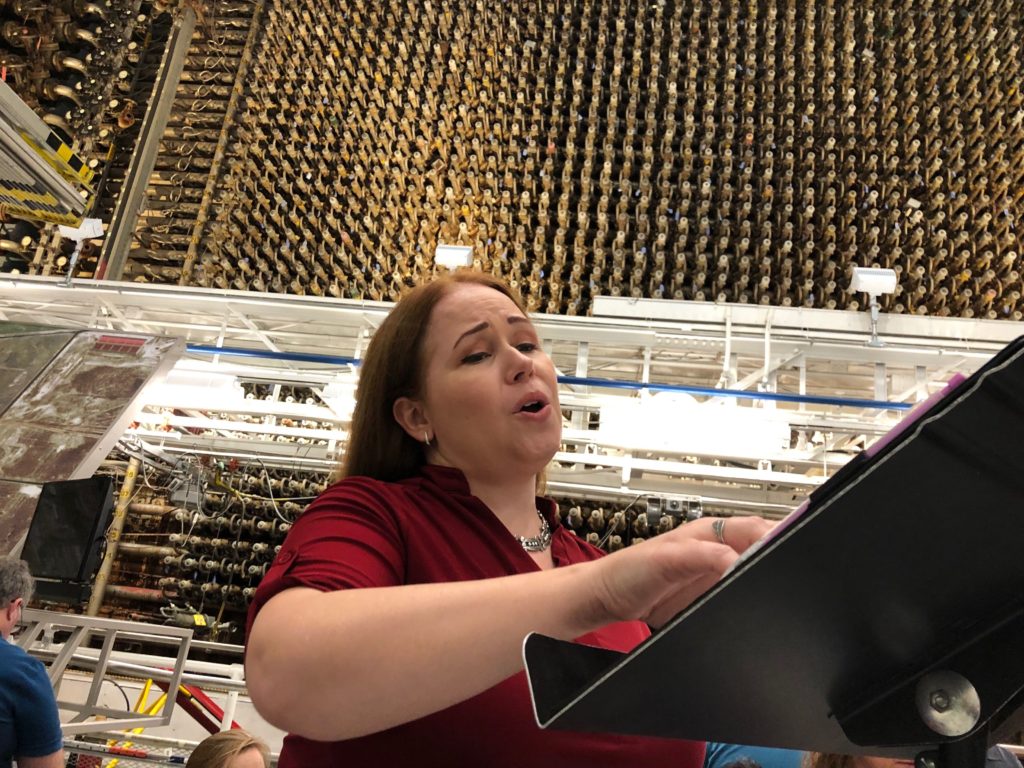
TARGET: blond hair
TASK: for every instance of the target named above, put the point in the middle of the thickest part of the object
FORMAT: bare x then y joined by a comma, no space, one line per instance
215,751
826,760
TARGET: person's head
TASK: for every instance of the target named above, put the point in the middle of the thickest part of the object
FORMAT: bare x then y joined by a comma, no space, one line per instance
445,381
16,587
830,760
230,749
743,762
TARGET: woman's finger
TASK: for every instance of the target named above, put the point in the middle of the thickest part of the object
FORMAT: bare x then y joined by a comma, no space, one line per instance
636,581
680,600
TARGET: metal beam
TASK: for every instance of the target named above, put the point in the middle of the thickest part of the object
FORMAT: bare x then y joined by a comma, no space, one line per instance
77,631
140,168
900,327
255,33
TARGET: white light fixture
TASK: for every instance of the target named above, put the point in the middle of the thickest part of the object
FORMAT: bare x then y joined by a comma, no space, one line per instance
195,384
453,256
676,422
875,283
340,393
87,230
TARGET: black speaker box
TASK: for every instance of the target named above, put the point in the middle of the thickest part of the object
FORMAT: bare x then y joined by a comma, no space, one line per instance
65,540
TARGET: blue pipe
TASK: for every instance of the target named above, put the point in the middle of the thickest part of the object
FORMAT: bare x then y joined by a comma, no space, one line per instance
577,381
738,393
266,354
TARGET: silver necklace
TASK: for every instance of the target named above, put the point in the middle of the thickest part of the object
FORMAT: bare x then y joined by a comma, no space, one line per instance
541,541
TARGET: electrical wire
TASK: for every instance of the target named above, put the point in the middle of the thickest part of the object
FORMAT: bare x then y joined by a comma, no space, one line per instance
270,490
610,531
127,704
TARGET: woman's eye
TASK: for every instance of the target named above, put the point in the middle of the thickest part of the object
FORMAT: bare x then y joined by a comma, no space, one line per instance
526,346
476,357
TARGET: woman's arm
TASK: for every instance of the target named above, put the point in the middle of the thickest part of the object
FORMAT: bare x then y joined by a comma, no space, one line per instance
337,665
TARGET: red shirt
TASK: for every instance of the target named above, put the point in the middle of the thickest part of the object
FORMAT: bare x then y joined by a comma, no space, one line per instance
429,529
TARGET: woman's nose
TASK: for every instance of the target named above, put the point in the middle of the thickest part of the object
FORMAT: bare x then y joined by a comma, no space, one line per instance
521,366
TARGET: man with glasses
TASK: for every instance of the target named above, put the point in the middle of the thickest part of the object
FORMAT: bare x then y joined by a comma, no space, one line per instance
29,726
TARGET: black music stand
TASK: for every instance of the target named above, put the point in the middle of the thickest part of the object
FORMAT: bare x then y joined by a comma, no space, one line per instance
885,617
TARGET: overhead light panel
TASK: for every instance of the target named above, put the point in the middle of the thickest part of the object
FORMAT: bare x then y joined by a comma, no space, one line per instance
874,282
453,256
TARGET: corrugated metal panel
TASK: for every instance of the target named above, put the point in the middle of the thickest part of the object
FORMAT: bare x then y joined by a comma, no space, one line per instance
25,350
17,505
67,419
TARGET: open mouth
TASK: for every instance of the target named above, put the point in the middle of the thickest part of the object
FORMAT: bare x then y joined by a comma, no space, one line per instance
533,406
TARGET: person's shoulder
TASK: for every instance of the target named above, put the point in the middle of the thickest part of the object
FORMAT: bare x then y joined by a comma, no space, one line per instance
14,654
16,662
355,488
362,488
360,496
1000,757
723,755
354,484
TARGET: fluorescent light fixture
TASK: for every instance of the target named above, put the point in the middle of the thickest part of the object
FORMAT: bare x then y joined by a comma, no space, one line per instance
676,422
453,256
191,384
873,282
87,230
340,393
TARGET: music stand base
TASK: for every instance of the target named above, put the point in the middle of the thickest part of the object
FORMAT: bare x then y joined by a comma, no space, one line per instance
966,753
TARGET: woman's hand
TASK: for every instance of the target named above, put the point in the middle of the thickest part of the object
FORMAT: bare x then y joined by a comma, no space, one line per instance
655,580
737,532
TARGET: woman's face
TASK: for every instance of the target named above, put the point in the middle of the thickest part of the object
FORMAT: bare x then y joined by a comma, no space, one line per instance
489,398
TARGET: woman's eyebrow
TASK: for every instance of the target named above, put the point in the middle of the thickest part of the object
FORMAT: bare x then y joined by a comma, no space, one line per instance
512,319
475,329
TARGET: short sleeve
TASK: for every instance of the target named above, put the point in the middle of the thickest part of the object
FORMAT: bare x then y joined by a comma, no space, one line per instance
37,722
719,755
1000,757
348,538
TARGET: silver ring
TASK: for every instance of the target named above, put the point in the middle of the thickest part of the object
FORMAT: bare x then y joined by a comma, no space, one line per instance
718,528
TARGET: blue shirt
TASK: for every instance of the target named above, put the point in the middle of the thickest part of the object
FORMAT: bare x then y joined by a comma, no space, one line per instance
720,755
29,724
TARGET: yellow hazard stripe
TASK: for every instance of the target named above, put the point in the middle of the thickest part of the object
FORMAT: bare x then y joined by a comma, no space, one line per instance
65,153
71,167
10,193
24,202
35,212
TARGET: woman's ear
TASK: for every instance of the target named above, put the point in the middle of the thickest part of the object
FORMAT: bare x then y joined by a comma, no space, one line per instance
412,417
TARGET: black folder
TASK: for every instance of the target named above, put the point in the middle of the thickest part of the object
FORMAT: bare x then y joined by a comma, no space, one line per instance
843,631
